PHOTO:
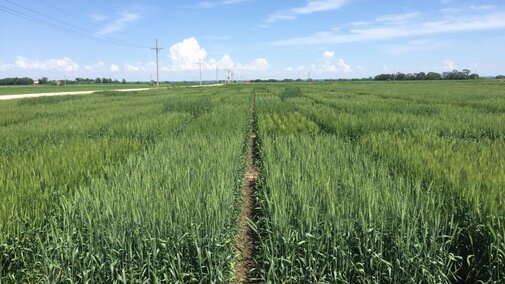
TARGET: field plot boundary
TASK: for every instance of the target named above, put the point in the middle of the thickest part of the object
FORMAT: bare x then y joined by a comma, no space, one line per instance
247,239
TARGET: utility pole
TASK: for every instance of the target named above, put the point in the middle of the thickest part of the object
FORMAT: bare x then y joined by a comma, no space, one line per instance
217,74
157,49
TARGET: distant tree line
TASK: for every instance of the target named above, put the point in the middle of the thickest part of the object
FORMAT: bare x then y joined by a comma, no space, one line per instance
275,80
16,81
83,81
45,81
307,80
464,74
97,80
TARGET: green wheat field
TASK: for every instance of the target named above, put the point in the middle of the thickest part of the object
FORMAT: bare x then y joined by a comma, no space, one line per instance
360,182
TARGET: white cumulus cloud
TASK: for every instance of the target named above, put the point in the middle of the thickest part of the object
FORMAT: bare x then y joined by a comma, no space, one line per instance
329,55
328,67
97,66
343,67
224,63
259,64
3,66
64,64
186,55
449,65
114,68
131,68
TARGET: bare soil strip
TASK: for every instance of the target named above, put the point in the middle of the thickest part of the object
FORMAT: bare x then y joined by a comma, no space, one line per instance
247,240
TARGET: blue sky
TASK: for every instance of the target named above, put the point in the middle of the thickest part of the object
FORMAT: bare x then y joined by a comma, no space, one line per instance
256,38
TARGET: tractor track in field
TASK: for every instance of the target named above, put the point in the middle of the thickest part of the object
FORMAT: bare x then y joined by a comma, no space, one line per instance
247,239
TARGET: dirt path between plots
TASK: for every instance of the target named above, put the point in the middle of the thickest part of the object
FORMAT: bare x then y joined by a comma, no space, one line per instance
247,240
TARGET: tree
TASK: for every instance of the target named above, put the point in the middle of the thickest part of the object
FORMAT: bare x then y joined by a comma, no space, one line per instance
98,80
16,81
420,76
411,76
123,81
454,75
384,77
400,76
433,76
500,77
43,80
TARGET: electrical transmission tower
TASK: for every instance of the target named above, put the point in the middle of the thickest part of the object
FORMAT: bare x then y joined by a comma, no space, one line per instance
229,77
157,49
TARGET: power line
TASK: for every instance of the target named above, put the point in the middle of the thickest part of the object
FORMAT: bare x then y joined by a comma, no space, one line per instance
87,33
73,29
60,28
65,12
46,16
28,17
83,19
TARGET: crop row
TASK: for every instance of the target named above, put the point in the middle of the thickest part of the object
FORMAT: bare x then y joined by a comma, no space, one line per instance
380,194
115,208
